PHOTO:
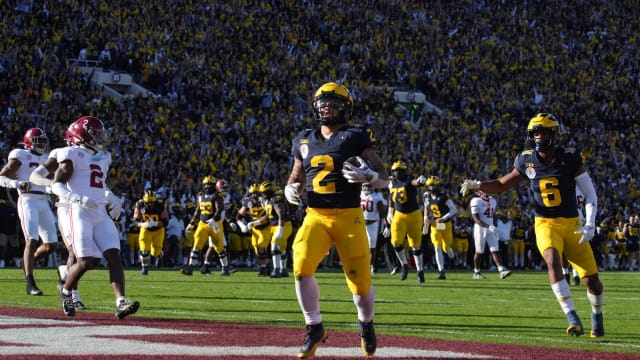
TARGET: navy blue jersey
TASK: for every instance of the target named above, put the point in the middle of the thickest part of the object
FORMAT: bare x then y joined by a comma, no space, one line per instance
437,204
272,215
404,195
322,161
553,185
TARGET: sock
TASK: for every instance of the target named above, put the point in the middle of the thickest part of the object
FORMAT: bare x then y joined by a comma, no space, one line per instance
365,305
563,294
596,302
308,295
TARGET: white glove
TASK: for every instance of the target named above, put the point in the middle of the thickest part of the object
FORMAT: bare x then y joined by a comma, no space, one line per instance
421,180
587,231
386,232
278,234
292,193
493,230
233,226
84,201
468,185
213,225
243,227
389,217
360,174
151,223
253,224
115,210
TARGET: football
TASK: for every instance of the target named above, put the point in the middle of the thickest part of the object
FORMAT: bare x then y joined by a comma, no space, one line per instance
353,161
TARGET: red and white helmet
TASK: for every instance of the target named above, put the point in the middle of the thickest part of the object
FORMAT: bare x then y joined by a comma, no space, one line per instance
88,131
36,141
222,186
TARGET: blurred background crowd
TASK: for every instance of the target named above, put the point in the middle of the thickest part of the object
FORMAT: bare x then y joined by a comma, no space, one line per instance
232,82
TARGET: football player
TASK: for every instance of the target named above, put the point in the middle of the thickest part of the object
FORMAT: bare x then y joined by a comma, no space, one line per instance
405,218
36,217
439,210
252,218
483,210
207,224
553,172
520,234
331,185
80,181
279,219
151,216
374,206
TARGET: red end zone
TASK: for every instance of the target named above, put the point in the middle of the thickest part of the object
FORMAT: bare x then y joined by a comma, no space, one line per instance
45,334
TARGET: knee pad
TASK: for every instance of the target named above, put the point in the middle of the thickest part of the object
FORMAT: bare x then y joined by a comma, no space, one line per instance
222,254
398,248
416,251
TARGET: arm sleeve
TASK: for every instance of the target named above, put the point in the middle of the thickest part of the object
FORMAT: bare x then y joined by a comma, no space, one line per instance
590,198
453,210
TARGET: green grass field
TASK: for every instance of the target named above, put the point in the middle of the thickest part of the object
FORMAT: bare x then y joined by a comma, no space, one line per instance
518,310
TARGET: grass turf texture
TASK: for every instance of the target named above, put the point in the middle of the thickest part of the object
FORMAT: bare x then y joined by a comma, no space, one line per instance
518,310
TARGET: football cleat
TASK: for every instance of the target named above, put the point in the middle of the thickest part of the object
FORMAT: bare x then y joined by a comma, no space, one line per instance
368,341
187,270
576,280
67,302
126,308
421,277
264,271
315,335
275,274
225,271
597,325
575,325
404,272
505,274
478,276
284,273
79,305
204,269
442,276
144,271
32,288
394,270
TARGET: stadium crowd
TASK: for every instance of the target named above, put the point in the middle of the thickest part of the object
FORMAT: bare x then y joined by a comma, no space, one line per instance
232,81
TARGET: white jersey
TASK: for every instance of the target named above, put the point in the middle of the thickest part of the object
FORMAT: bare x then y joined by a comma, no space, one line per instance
485,209
89,172
369,205
29,162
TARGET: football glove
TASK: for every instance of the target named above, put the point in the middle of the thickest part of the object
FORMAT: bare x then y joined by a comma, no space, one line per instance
84,201
292,193
468,185
493,230
253,224
233,226
213,225
421,180
359,174
151,224
243,227
386,232
115,210
587,231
